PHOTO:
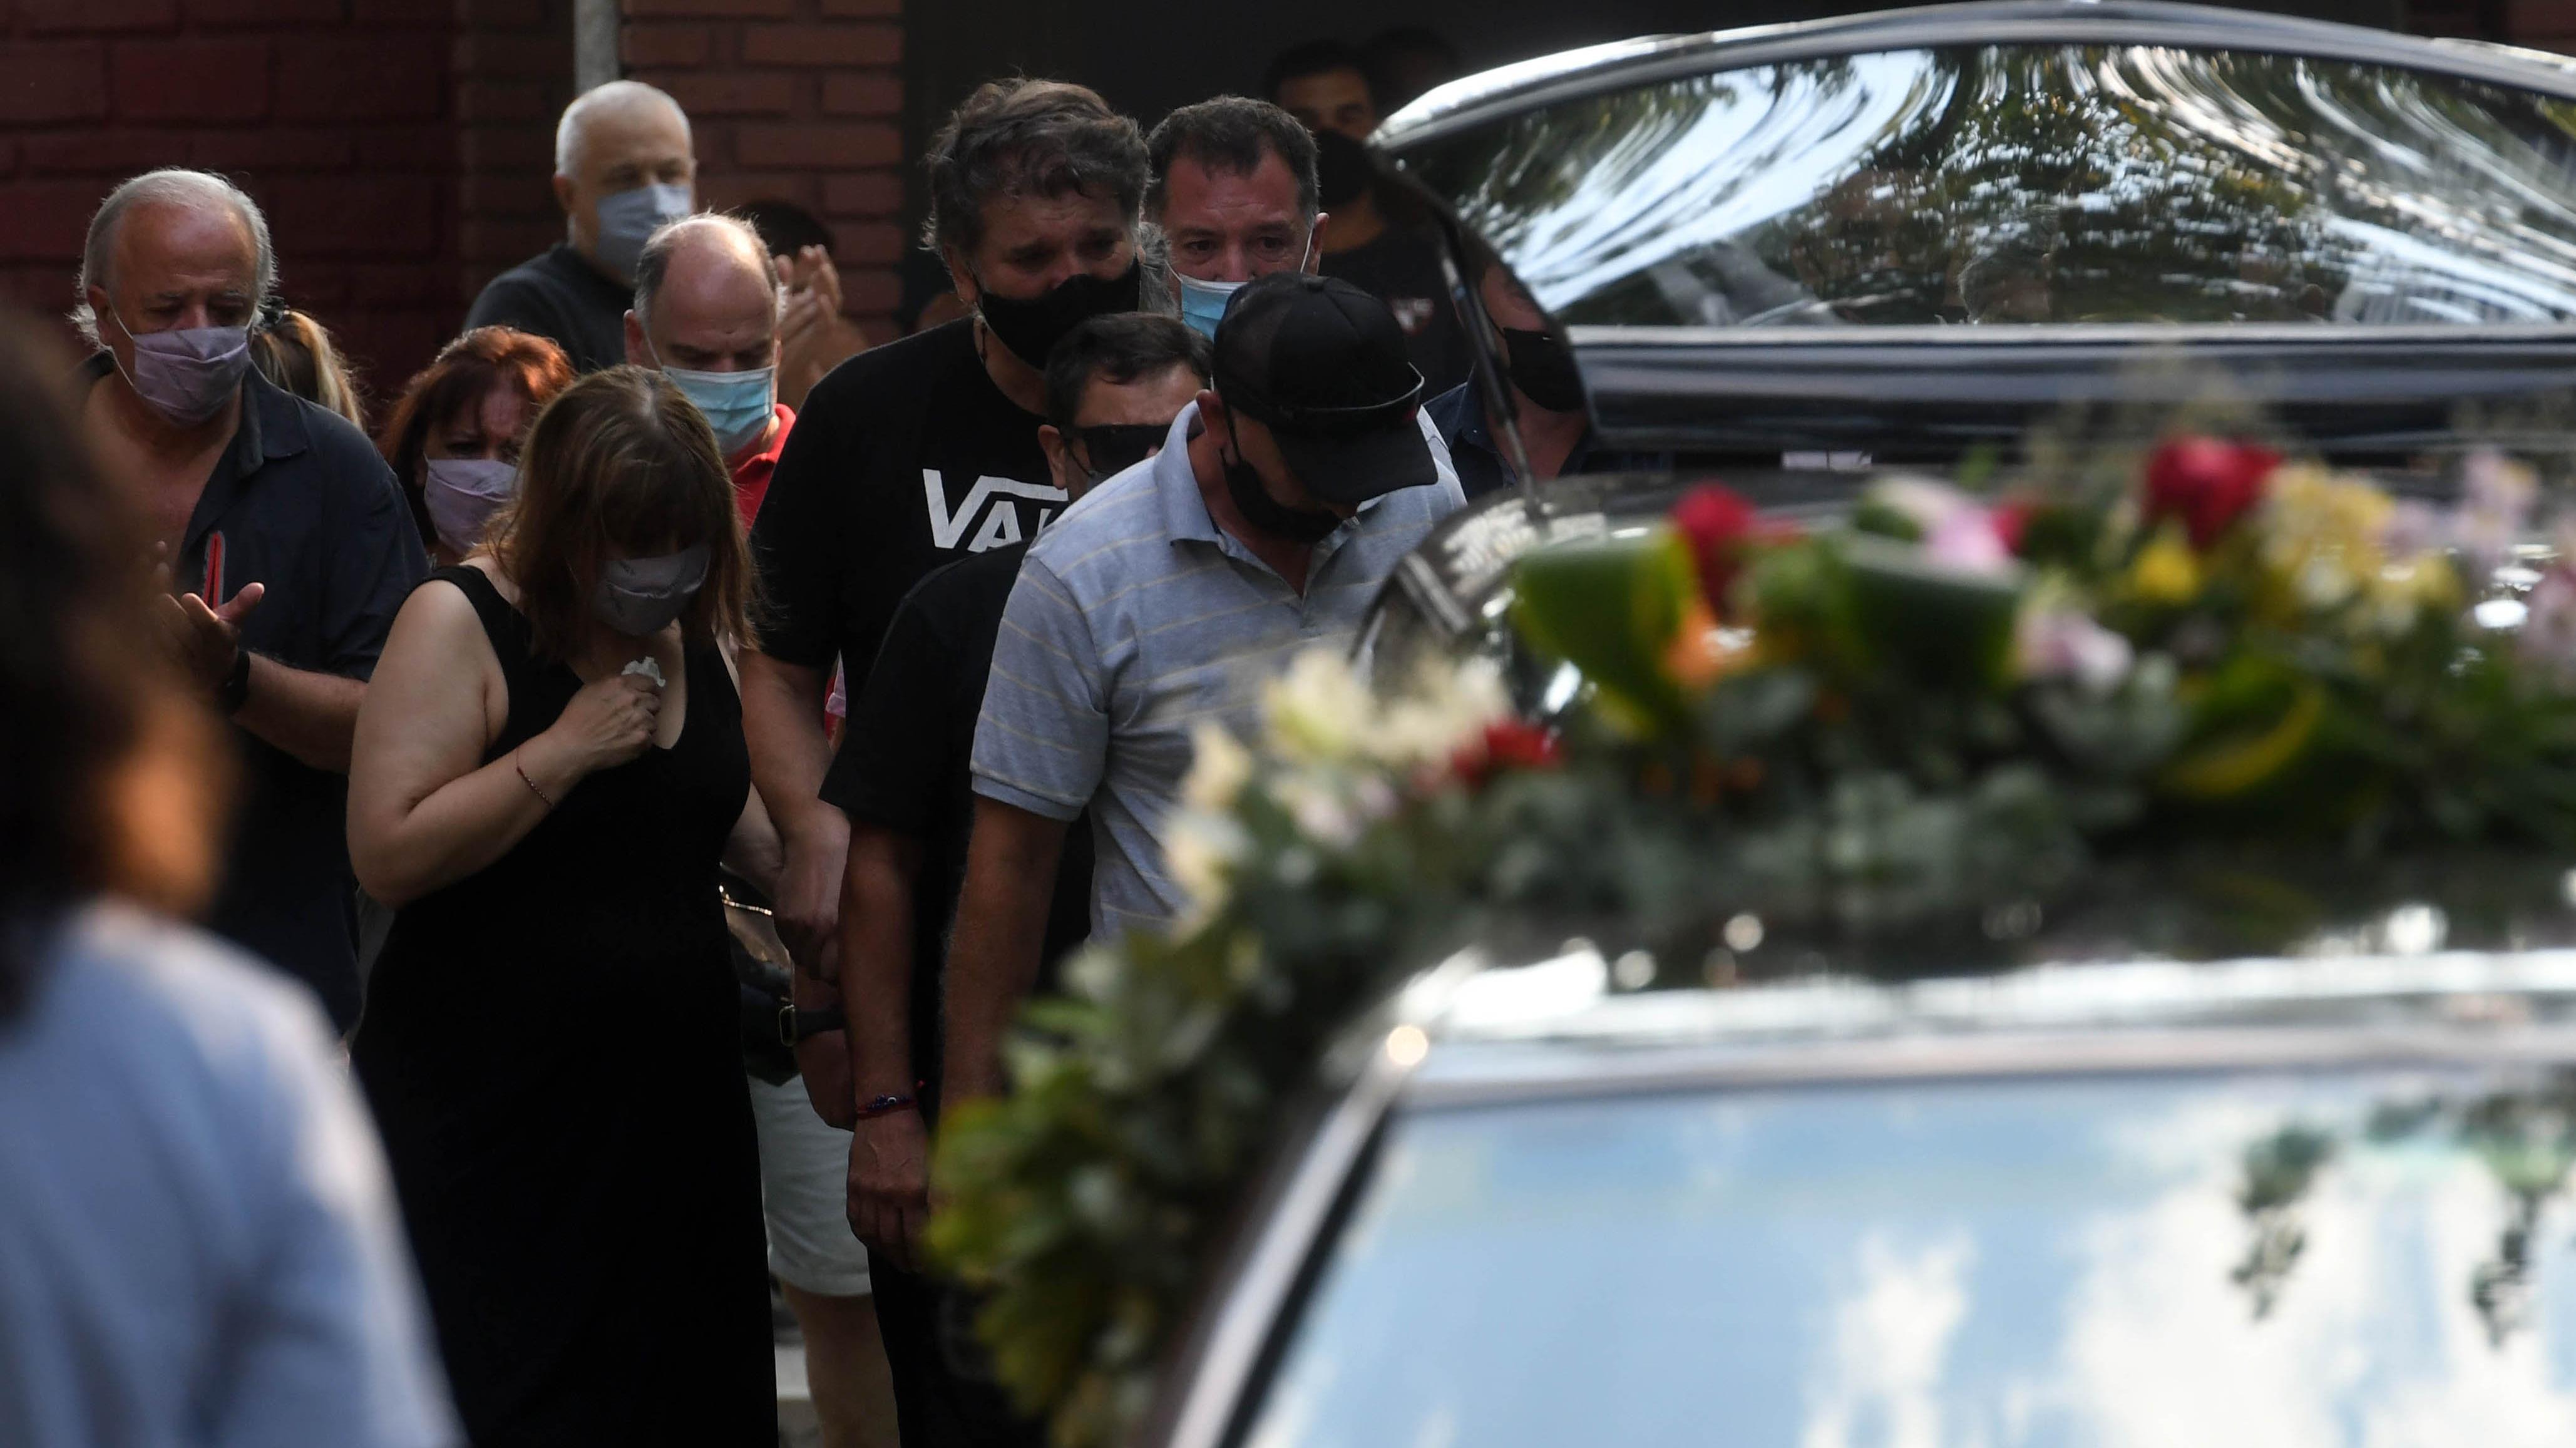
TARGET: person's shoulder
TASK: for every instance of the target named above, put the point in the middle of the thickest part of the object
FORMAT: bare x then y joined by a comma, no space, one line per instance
183,997
1451,411
874,380
1125,509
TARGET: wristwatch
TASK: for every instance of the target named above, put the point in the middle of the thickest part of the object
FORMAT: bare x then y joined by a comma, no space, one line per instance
234,691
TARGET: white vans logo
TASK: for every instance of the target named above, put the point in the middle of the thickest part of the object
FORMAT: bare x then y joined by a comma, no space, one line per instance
1001,519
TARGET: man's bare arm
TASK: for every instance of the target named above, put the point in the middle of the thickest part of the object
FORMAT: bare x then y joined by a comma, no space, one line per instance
999,942
782,717
310,716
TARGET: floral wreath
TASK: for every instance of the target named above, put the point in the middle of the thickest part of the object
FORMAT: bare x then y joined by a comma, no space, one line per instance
1952,703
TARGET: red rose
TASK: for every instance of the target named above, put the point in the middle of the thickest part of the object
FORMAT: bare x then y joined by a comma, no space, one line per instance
1717,523
2012,524
2206,483
1508,744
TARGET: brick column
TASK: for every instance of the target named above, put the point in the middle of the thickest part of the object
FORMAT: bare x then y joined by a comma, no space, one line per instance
796,100
333,114
512,62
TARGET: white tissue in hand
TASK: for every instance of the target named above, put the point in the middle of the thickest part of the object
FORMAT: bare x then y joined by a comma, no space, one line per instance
648,669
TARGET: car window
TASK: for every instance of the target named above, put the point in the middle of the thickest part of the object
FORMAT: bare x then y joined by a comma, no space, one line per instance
2031,184
2277,1260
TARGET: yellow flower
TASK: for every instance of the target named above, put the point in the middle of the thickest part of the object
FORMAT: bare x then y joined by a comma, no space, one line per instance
2166,571
1219,768
2320,536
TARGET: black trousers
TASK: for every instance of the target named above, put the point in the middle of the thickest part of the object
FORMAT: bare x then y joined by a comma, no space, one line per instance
944,1393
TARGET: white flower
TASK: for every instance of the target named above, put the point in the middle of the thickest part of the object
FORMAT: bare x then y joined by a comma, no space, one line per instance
1929,505
1447,707
1323,812
1317,711
1201,850
1219,768
2063,642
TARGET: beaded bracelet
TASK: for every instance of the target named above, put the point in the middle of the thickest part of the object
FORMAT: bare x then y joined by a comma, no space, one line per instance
886,1106
530,783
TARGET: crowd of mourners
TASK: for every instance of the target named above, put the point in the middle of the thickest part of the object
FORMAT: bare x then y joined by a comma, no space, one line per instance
665,756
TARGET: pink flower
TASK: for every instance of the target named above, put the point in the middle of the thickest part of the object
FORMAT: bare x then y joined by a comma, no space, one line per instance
2207,483
1970,539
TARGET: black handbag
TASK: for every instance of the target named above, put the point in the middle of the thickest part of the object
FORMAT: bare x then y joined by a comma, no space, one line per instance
763,973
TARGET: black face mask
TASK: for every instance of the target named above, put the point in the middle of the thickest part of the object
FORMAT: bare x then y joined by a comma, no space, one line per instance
1543,370
1262,511
1032,328
1342,169
1117,446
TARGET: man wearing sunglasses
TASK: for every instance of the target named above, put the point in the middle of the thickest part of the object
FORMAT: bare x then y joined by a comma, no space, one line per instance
1113,387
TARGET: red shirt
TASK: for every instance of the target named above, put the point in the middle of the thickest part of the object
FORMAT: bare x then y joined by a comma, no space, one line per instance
751,475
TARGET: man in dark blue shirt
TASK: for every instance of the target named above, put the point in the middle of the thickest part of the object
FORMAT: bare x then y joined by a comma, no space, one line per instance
288,544
1547,399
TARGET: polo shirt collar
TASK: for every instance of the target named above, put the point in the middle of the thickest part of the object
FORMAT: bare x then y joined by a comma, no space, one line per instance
1176,483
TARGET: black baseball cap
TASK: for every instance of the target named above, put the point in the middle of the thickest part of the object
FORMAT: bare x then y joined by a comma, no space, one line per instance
1322,364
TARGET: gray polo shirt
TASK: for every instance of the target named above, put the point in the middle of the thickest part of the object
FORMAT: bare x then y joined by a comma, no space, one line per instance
1134,618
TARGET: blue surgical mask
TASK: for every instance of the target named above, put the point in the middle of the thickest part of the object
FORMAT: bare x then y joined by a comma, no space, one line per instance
738,405
1203,303
627,218
639,597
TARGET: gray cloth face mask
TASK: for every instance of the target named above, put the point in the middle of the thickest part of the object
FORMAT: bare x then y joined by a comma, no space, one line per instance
627,218
187,374
639,597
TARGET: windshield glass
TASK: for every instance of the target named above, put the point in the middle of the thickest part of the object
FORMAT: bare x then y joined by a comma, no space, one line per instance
2031,184
2374,1258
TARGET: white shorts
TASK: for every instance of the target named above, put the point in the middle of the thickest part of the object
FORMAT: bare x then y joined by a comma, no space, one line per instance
805,1193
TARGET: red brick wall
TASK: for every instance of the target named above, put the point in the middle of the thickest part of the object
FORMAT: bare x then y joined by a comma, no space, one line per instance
2541,24
337,115
512,63
799,100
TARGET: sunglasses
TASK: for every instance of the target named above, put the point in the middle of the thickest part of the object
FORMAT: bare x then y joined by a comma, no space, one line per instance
1116,447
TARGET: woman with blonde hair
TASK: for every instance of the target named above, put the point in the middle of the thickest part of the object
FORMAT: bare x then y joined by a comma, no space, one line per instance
549,768
197,1237
298,355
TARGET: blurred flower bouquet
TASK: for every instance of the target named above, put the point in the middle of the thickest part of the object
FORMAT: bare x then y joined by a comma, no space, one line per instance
1950,706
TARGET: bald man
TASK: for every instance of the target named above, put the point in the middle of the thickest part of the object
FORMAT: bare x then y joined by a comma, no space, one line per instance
623,168
706,316
288,545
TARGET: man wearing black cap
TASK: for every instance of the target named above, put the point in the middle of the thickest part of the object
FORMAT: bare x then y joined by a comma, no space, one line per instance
1283,497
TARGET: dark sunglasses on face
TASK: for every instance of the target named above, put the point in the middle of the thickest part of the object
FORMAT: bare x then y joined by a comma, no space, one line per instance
1115,447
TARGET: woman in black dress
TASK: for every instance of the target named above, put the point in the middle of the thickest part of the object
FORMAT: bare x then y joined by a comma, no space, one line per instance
549,768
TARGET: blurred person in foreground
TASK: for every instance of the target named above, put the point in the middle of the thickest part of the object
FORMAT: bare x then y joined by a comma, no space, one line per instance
288,544
925,451
1546,393
707,308
1234,190
546,779
453,437
623,167
814,336
198,1243
1284,496
1113,388
1375,242
707,303
298,355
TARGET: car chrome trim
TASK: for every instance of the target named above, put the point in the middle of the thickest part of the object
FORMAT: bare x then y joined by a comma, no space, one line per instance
1482,99
1473,1076
1227,1350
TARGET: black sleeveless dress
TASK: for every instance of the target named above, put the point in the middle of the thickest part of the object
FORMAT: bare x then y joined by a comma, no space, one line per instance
550,1047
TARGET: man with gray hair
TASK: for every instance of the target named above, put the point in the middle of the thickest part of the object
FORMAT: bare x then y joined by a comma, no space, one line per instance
706,315
623,168
289,546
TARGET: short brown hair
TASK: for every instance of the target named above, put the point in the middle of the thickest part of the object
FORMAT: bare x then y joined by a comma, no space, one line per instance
1022,137
115,785
620,460
462,373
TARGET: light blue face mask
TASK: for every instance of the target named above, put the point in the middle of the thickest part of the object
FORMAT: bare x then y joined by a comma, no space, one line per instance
738,405
627,218
1203,303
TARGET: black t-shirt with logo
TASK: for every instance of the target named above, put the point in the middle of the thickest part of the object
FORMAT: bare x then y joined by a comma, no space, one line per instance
906,457
1402,269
